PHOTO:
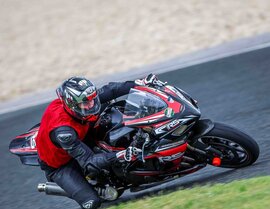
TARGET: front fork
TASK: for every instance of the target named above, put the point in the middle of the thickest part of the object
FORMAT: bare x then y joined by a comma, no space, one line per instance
210,154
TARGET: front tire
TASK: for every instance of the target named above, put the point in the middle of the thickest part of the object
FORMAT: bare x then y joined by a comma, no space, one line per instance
238,149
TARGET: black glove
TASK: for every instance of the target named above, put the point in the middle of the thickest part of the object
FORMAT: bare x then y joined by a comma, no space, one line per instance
134,151
130,154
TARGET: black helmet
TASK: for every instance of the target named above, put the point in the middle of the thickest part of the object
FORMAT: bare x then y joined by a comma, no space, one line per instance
80,98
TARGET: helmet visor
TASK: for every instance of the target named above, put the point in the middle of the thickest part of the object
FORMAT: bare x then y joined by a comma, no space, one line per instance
89,107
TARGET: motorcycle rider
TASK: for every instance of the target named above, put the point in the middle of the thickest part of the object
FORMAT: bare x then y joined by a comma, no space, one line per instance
66,122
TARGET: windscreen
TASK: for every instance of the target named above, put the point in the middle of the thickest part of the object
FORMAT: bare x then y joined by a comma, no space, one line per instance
140,104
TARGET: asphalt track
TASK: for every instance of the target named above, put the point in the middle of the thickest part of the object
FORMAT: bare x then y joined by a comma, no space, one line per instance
233,90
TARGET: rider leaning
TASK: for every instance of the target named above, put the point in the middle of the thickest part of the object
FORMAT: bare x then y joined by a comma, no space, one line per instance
63,155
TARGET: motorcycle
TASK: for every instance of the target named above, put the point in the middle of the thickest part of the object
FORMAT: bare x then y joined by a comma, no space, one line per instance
169,140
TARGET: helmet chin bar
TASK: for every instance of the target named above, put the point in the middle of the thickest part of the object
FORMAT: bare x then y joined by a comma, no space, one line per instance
74,114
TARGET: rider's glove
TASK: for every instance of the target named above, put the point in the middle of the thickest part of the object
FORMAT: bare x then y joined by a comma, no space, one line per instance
130,154
149,80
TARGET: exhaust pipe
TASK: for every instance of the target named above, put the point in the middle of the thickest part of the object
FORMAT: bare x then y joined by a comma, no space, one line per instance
51,188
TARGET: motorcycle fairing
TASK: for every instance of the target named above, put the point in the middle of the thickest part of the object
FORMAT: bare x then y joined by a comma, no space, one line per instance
164,123
24,146
108,147
171,106
122,133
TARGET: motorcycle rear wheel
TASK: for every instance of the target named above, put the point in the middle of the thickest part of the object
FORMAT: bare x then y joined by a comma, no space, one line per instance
238,149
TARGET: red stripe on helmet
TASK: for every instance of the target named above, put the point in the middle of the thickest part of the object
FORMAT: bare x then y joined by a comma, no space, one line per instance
92,96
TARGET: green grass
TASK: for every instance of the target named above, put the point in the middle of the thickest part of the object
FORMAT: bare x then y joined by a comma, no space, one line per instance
249,193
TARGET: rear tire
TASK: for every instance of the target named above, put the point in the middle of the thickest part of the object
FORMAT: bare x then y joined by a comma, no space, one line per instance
238,148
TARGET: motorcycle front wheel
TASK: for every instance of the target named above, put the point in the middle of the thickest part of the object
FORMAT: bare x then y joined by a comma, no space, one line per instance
238,149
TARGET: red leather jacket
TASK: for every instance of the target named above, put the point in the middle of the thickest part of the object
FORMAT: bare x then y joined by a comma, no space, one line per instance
55,116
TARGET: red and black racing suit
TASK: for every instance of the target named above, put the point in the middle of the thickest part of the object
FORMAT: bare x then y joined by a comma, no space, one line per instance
64,156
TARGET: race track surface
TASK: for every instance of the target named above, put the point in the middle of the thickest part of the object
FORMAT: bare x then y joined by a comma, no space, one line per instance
233,90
